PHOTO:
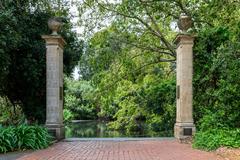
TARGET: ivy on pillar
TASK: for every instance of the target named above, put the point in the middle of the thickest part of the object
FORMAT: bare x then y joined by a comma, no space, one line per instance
54,61
184,126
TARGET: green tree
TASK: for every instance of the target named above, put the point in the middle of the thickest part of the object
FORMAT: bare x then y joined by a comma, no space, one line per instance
129,82
79,100
216,82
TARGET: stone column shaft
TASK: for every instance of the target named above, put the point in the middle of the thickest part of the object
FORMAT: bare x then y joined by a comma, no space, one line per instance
184,126
54,62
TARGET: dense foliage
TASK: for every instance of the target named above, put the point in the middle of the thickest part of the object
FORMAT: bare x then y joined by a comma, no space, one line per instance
130,83
216,99
216,81
10,115
212,139
23,137
77,100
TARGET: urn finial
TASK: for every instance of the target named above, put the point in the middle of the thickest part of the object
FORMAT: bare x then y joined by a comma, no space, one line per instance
184,22
54,24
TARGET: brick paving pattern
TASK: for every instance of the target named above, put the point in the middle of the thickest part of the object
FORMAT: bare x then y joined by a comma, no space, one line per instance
121,150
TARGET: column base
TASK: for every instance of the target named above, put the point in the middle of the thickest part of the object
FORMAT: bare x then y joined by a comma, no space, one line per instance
184,130
56,130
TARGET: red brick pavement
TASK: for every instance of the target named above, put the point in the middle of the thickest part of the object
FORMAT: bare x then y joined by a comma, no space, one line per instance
121,150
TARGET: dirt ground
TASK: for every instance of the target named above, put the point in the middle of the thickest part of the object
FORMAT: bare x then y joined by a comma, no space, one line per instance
229,154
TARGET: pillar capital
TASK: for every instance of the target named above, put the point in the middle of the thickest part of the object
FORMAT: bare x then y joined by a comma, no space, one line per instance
184,39
54,40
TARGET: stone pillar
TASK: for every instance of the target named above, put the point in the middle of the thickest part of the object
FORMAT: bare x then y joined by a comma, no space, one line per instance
184,126
54,57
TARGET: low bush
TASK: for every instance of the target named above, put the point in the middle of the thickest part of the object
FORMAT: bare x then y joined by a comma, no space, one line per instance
215,138
79,100
67,115
10,114
23,137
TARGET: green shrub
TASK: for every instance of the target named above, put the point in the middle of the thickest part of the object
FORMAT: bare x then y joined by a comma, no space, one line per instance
151,103
67,115
215,138
10,114
7,139
79,100
216,88
23,137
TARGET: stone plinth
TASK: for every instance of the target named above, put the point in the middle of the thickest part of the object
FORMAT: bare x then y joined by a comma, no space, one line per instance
54,58
184,126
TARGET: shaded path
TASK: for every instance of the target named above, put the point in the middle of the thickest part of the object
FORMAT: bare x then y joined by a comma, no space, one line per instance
121,150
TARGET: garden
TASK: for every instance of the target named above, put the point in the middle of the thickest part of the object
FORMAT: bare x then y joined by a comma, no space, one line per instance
126,63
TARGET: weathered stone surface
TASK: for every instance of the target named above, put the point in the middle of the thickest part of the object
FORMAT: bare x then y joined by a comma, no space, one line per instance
54,58
184,120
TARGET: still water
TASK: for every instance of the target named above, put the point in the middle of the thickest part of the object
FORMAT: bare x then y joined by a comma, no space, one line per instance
99,129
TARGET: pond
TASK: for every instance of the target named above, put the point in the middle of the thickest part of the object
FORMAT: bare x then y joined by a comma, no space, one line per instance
99,129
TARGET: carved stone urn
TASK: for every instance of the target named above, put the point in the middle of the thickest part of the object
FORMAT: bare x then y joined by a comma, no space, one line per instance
55,25
184,22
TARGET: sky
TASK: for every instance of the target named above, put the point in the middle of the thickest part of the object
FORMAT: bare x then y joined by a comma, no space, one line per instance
74,20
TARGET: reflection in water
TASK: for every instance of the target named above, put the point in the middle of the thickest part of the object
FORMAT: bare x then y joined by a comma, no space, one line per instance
100,129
